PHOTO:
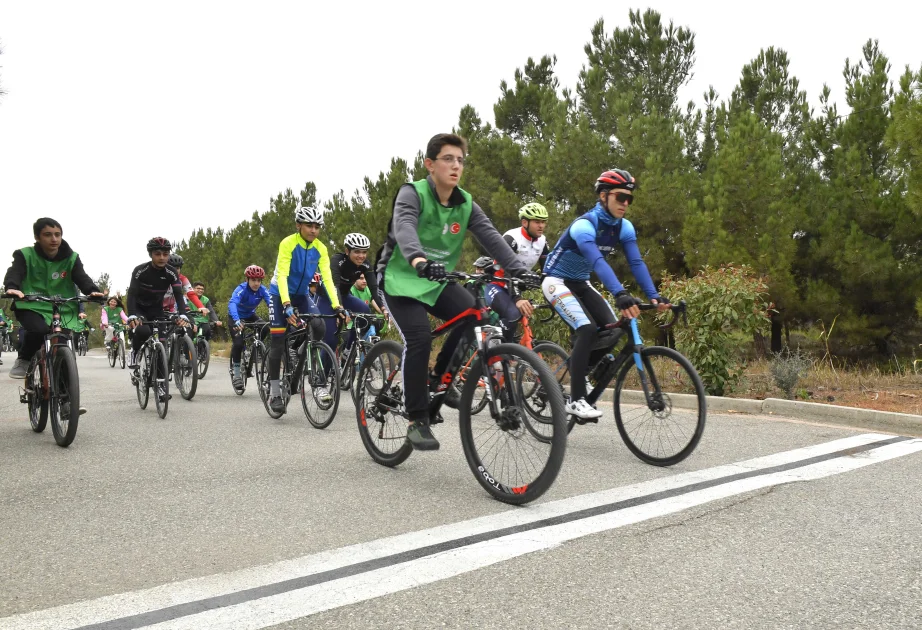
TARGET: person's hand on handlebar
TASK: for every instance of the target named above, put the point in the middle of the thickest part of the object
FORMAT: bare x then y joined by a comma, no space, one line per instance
15,293
526,308
290,315
343,314
662,304
627,304
430,270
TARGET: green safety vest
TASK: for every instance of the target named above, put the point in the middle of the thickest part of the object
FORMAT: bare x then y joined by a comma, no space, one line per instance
112,314
199,318
51,278
441,233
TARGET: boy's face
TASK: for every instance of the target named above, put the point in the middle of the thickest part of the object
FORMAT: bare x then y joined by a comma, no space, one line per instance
309,231
160,257
361,283
49,239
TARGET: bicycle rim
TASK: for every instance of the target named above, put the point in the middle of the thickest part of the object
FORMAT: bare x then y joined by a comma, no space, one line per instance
379,405
142,385
185,367
121,353
660,432
534,397
507,459
203,354
160,380
263,379
38,406
319,390
65,400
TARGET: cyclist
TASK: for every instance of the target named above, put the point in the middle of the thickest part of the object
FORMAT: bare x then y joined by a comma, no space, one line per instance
241,308
580,251
149,281
169,300
300,256
82,326
425,236
202,321
530,246
349,266
49,267
110,314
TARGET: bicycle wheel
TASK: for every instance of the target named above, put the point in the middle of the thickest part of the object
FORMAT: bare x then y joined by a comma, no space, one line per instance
185,366
203,354
379,405
534,398
35,396
112,354
263,379
319,391
160,379
64,407
655,431
121,353
480,394
347,367
144,376
505,456
377,368
254,360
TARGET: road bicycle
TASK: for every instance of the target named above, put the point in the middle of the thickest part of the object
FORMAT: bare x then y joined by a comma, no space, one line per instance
152,371
251,357
182,359
351,359
115,347
309,367
501,452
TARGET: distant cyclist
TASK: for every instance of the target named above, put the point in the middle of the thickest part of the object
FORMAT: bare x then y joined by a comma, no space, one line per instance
241,308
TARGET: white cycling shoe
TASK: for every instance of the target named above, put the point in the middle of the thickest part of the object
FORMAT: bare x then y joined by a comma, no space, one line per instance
582,409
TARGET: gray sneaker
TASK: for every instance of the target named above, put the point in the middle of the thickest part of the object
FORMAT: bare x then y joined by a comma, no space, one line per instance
19,368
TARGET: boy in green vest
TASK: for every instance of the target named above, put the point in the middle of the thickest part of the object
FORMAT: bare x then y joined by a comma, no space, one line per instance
50,267
424,240
205,321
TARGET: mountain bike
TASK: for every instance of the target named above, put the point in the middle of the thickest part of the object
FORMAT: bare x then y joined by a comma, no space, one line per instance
252,356
52,386
82,344
648,380
500,451
308,367
115,349
153,371
182,359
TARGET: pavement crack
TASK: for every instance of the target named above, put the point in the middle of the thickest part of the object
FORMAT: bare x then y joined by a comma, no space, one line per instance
691,518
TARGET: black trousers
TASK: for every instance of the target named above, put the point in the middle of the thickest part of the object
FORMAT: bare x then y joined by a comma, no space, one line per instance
412,321
36,328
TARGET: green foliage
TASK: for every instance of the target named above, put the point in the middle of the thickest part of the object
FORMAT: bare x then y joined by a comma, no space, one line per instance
720,302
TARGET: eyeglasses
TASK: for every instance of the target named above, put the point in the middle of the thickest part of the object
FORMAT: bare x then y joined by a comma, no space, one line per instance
450,159
624,198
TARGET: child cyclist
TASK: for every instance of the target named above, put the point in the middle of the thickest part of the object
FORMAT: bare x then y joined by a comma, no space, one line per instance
241,307
580,251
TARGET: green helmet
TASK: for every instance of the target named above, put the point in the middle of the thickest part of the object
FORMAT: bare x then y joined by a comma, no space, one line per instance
533,211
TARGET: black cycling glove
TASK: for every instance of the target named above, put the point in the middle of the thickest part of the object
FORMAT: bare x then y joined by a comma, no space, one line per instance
430,270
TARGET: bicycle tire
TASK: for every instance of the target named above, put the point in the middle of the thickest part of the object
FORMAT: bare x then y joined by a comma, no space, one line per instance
64,407
378,366
36,402
121,353
324,413
534,399
255,360
347,368
203,354
513,491
185,367
160,380
142,384
661,418
264,385
112,354
383,432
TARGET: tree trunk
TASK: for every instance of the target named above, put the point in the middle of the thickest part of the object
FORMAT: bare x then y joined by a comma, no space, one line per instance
777,344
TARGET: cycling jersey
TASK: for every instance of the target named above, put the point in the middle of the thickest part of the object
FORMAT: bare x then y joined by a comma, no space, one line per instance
148,283
244,300
530,251
297,262
345,273
169,300
585,244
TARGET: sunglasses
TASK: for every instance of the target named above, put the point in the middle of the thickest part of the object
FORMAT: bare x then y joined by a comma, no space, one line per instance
624,198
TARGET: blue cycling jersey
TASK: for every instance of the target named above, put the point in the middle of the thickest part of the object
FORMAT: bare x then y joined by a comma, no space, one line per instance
244,300
584,245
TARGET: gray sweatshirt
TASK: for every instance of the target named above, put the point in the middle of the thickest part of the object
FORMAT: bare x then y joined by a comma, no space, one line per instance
404,223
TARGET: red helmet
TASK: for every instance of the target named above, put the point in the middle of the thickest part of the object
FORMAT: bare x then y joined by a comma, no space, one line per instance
254,271
316,279
615,178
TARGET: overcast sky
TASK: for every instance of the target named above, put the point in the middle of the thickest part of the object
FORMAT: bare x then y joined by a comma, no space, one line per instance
126,120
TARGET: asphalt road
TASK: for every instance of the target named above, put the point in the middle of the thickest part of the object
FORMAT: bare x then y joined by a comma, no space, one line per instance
210,517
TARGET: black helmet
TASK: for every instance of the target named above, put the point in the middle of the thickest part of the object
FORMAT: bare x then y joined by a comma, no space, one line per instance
175,261
158,242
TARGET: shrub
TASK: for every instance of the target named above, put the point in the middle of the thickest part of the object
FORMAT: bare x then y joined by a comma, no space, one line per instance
787,368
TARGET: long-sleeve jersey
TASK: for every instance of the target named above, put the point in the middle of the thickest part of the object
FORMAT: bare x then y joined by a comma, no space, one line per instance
345,273
16,274
530,251
589,239
296,265
148,284
169,300
244,300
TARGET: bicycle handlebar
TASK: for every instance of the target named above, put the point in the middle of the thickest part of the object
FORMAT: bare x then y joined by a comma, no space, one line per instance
678,310
54,299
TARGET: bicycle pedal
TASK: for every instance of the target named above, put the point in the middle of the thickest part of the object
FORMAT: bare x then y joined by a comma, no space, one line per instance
582,421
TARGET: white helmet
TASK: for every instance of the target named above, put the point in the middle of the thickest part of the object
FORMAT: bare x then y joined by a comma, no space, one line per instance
309,215
355,240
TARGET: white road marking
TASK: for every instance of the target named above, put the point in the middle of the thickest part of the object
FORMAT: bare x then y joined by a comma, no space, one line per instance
278,602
